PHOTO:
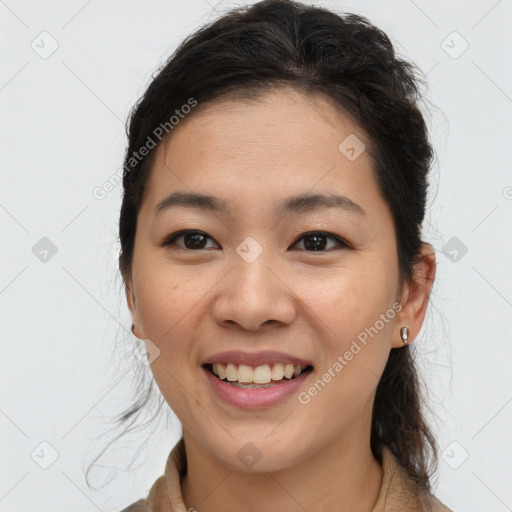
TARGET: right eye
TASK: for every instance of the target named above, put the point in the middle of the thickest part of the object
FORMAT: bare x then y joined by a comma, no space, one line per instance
192,240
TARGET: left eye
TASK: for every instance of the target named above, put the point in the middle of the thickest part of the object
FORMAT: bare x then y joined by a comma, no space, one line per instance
317,241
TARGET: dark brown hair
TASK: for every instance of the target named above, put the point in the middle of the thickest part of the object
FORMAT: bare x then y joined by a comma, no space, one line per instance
273,43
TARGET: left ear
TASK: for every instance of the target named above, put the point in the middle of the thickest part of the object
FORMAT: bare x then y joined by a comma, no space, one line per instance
415,296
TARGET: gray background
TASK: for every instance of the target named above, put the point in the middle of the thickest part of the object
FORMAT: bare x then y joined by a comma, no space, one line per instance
66,348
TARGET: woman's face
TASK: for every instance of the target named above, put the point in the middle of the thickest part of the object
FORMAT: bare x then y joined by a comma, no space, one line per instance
248,278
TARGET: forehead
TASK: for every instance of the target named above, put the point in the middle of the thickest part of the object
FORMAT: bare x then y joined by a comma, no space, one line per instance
249,149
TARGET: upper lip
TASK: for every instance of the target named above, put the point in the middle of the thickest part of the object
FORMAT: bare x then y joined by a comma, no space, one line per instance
255,358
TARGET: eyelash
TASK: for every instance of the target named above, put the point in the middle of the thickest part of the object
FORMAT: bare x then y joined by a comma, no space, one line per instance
172,238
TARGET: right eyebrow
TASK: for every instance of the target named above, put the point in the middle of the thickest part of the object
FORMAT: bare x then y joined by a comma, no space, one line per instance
189,199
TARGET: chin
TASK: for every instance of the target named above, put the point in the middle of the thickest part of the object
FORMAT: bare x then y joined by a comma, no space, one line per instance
259,454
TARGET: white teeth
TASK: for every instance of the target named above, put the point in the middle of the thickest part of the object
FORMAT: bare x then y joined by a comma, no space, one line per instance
245,373
231,372
263,374
219,370
277,371
288,371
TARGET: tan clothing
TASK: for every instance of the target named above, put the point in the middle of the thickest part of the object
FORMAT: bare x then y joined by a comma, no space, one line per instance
397,492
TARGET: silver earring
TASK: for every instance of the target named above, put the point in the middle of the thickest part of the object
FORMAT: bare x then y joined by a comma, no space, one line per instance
404,334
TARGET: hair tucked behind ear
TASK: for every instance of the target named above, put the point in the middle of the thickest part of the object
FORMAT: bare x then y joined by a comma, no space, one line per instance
255,49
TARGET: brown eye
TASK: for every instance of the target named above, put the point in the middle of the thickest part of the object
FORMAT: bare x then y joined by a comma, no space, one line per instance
192,240
318,241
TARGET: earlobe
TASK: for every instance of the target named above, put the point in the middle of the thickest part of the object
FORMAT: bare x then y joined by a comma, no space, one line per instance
416,297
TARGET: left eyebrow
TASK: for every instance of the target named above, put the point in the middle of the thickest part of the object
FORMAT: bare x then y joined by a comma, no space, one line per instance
307,202
296,204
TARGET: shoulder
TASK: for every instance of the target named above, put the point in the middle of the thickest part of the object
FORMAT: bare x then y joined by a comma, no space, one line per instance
156,501
165,494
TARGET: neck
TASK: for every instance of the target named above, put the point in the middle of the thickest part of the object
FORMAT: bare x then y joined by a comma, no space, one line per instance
343,476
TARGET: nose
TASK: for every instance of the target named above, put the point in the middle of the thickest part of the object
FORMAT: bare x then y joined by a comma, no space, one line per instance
252,295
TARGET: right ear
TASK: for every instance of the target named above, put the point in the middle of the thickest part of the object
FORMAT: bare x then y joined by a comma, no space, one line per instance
130,298
132,303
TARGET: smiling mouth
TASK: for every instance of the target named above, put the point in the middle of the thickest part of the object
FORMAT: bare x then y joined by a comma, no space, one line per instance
256,377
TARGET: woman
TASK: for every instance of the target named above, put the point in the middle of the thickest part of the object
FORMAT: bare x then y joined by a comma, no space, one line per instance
274,190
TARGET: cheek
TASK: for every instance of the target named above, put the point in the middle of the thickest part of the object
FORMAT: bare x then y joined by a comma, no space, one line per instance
362,319
357,308
169,307
167,297
352,299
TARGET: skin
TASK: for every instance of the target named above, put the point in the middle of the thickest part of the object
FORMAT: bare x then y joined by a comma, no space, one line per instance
192,303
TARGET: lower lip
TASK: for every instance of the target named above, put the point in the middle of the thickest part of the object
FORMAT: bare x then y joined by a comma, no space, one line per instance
255,398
